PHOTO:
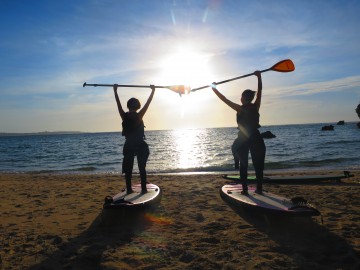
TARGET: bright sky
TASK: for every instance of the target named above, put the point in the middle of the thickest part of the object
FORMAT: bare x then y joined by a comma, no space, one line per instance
49,48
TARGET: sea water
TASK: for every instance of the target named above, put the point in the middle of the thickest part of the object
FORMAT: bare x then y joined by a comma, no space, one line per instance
296,147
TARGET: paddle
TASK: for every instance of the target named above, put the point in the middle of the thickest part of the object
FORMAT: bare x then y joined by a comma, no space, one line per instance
180,89
283,66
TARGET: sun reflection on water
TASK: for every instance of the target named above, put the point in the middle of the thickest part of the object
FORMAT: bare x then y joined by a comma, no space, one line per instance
189,145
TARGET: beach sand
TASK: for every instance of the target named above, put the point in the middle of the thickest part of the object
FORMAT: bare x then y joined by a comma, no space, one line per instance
51,221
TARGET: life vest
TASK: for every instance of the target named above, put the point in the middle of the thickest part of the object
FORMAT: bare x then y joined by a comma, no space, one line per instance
247,120
133,127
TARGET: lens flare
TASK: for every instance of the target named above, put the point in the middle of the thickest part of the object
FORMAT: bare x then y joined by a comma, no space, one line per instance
158,220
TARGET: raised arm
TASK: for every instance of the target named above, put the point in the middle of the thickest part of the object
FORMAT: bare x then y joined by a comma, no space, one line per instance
146,106
121,110
231,104
259,91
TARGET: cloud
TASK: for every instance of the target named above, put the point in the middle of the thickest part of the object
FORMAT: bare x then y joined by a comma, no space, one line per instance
348,84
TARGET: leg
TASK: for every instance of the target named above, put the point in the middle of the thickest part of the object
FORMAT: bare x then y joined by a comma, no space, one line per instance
258,151
243,153
128,163
234,149
127,166
142,157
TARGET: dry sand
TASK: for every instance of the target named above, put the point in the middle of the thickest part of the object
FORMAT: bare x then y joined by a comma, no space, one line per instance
56,222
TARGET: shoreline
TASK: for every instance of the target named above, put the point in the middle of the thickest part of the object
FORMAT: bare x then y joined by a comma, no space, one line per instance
271,172
53,221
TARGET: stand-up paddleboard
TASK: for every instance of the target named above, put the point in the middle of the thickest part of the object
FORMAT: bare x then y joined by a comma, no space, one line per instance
267,202
134,200
302,179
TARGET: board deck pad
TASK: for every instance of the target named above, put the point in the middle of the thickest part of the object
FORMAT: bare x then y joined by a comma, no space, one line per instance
302,179
267,202
135,199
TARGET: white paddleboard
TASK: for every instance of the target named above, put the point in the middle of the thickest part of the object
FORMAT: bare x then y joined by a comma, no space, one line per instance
301,179
267,202
135,199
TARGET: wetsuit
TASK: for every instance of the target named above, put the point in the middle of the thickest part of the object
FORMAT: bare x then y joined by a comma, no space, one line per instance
133,130
249,139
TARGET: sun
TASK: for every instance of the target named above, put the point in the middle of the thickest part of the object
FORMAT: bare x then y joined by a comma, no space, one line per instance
185,66
191,68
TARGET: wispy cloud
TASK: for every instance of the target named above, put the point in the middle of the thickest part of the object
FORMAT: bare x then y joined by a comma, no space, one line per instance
342,85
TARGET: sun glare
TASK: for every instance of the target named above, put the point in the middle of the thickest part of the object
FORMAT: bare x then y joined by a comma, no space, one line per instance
185,67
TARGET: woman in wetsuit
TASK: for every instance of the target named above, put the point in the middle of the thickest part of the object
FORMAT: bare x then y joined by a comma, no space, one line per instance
135,145
249,138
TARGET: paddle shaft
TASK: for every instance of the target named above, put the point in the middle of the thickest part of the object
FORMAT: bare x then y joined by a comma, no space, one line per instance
229,80
123,85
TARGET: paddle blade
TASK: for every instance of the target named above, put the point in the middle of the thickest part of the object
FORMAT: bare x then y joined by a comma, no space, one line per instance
180,89
284,66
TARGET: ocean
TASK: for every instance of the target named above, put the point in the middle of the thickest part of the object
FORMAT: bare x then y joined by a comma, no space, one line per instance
296,147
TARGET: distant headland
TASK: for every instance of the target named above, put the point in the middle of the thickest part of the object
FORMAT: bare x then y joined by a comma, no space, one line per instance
42,133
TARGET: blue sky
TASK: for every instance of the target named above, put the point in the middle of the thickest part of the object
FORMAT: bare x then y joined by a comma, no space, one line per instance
48,49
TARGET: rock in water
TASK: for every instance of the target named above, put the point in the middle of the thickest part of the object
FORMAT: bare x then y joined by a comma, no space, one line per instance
268,135
330,127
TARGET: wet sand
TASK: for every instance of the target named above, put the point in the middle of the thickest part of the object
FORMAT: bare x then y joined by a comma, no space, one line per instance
57,222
